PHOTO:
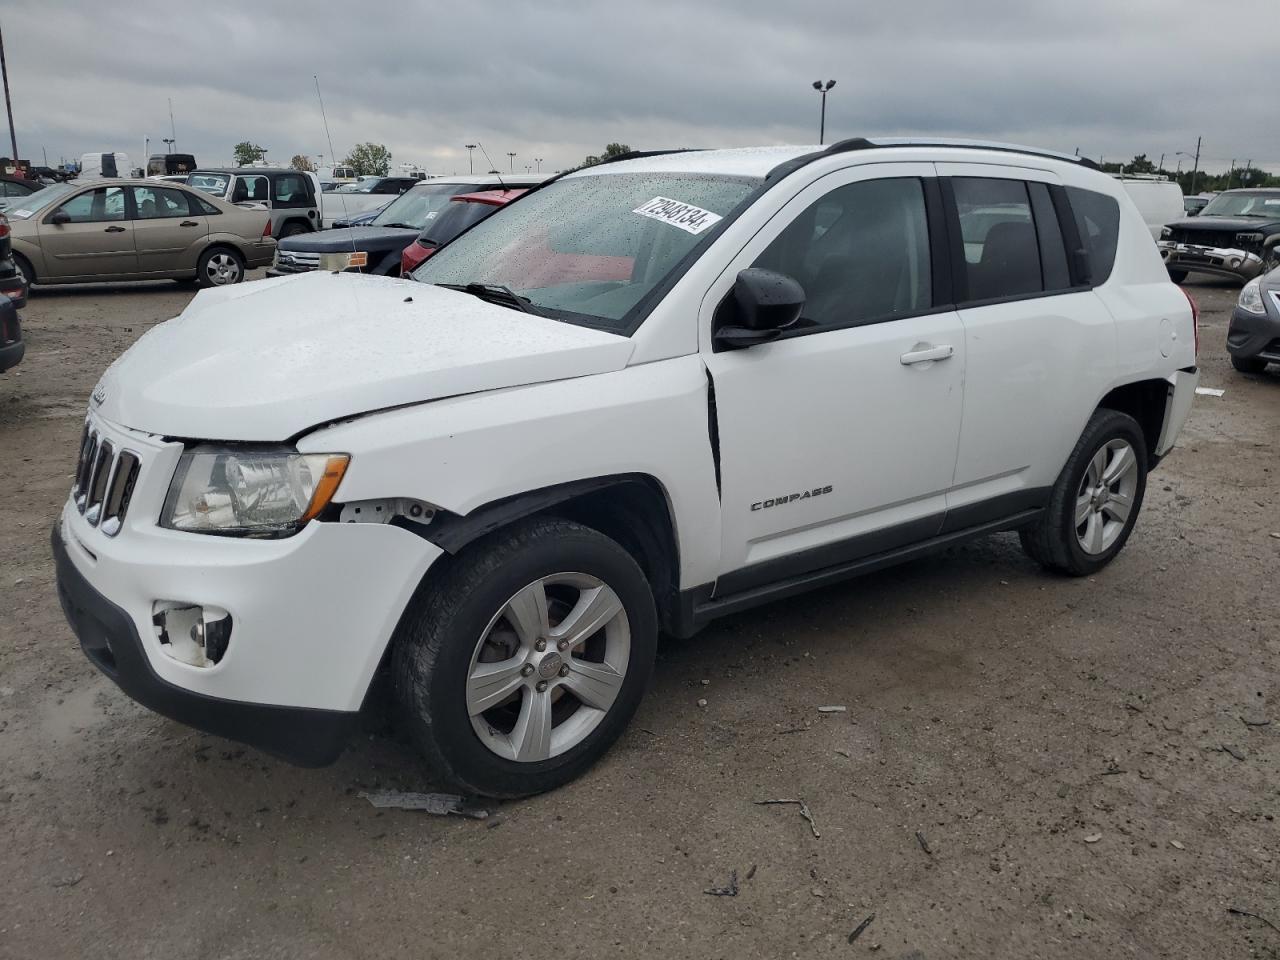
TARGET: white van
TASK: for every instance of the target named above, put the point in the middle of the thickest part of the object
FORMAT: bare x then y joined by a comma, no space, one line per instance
96,165
1157,198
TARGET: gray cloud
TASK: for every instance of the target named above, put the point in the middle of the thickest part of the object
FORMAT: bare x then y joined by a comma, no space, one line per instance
560,79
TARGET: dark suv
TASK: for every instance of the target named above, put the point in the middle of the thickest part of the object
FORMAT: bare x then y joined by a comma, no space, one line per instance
13,294
1235,235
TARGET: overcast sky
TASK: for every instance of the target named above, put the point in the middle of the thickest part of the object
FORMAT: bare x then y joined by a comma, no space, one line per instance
558,80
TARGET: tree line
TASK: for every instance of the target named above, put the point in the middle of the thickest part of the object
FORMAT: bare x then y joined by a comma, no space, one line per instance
1247,176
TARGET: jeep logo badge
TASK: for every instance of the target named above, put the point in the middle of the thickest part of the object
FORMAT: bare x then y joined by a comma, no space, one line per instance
99,394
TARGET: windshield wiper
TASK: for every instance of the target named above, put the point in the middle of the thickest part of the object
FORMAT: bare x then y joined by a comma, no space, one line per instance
402,226
496,293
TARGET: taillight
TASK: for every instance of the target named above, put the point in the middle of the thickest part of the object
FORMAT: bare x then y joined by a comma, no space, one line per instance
4,225
266,231
1195,318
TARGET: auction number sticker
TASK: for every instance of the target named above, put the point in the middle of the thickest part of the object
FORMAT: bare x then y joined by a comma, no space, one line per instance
686,216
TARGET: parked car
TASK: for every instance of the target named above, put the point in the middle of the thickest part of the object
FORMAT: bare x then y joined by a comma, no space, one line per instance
1253,336
136,230
461,213
368,193
653,392
1234,236
376,248
12,348
361,219
13,284
1192,206
169,164
1157,198
15,188
293,197
94,166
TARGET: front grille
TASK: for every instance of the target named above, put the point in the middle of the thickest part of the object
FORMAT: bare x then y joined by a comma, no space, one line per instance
290,262
1228,239
105,478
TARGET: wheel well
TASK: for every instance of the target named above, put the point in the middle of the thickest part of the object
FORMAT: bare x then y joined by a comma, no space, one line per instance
1145,401
630,509
300,221
25,265
220,245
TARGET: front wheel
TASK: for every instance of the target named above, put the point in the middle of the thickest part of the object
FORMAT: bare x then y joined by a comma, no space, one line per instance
219,267
1095,500
523,664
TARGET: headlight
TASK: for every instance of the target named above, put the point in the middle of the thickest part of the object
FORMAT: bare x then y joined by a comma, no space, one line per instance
344,261
250,492
1165,233
1251,297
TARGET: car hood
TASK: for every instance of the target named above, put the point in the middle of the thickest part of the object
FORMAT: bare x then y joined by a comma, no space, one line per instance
1224,224
348,238
267,360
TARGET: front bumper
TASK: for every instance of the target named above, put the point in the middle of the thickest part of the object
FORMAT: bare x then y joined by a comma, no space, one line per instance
311,614
1251,335
1220,261
109,638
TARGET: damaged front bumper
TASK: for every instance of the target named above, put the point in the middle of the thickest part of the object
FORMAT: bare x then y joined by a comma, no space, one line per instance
1220,261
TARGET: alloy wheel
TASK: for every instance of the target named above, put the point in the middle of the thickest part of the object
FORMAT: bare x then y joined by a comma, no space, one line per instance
222,269
1105,498
548,667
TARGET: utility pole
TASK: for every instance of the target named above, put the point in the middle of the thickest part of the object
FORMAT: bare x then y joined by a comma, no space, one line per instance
1161,166
1196,169
173,133
8,106
1231,172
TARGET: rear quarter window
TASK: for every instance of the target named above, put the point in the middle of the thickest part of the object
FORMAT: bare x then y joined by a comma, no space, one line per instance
1097,219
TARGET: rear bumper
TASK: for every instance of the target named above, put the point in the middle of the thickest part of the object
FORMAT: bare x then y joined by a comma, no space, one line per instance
1182,390
1219,261
1252,335
11,355
11,345
108,637
15,288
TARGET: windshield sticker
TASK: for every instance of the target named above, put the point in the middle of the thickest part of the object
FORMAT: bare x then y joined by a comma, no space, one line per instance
20,214
686,216
431,215
1271,203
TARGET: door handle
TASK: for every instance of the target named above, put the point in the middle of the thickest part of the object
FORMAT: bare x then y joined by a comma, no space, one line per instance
114,230
925,354
189,223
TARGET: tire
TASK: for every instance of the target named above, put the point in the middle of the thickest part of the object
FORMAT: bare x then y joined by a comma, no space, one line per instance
1057,541
24,268
1178,276
292,230
1249,364
467,619
219,267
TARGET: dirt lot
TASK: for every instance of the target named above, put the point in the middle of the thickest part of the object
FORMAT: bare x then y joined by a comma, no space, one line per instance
1029,766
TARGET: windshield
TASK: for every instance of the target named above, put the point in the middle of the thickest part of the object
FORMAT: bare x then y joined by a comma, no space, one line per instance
214,184
459,215
417,207
20,208
587,249
1244,205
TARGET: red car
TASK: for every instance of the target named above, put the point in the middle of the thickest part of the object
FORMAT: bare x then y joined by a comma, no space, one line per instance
462,211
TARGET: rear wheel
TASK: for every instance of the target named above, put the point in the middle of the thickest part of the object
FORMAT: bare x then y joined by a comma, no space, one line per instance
1249,364
24,268
292,230
1177,276
1095,501
523,664
219,267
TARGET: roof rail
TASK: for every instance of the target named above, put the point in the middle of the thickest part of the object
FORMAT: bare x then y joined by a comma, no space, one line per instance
862,143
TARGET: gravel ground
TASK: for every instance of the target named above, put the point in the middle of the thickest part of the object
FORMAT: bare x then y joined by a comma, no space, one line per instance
1029,766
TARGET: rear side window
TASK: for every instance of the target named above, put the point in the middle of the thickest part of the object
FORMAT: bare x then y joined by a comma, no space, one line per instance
1001,252
861,253
201,205
1098,222
290,188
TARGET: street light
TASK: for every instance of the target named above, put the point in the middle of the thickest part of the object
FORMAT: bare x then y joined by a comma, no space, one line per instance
471,166
512,161
538,161
168,143
822,125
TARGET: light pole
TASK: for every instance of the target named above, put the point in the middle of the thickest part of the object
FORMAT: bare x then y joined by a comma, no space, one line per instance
470,165
511,162
168,144
822,124
538,161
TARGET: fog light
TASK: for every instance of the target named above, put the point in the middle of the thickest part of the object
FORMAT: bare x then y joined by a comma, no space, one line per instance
190,633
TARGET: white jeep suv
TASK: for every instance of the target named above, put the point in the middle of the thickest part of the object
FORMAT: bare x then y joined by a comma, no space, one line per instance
647,394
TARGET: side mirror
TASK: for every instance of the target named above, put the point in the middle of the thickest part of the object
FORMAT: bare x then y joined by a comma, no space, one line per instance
761,306
60,217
